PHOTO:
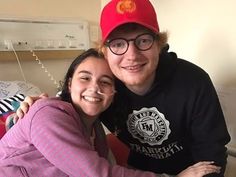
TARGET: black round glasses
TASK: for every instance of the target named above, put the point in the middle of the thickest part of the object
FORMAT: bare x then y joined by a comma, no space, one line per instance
119,46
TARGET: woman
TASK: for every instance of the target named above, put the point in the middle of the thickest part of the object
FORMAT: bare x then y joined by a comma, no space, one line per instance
62,137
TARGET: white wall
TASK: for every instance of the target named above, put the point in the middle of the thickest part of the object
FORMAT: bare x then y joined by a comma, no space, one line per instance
204,33
71,9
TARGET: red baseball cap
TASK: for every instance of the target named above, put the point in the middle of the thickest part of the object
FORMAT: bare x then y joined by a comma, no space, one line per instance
119,12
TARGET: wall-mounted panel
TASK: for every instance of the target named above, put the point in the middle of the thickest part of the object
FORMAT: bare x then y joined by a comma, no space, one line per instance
43,35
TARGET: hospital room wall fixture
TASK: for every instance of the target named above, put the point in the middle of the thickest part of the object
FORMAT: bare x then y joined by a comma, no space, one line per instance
26,35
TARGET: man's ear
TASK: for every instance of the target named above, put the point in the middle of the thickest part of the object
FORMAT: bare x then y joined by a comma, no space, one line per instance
104,51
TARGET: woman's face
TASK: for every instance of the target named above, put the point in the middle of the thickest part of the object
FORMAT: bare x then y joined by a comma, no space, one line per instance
135,68
92,86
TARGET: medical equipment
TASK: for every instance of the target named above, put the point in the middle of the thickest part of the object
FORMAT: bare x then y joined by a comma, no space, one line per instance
43,35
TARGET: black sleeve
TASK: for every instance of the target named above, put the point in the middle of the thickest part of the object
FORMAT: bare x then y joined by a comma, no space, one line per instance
208,127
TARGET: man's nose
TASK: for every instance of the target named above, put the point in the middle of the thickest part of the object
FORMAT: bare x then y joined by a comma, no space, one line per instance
132,51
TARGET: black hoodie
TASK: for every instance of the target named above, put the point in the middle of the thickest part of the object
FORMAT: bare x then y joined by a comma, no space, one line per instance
177,123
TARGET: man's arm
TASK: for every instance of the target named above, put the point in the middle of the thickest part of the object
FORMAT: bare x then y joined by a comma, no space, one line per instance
25,105
208,129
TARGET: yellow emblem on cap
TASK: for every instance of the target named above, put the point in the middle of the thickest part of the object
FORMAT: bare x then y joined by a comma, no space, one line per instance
125,6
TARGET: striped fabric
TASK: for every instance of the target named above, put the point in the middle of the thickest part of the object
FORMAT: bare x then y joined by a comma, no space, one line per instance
6,104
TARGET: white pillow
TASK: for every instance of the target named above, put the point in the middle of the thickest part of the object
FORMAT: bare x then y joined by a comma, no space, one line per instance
11,88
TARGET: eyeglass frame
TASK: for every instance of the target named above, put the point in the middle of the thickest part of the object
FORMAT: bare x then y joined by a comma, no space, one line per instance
154,37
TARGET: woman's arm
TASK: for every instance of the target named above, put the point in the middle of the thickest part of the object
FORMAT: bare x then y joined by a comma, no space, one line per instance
61,140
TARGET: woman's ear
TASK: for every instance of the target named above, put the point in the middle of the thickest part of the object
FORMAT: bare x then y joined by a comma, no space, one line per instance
69,85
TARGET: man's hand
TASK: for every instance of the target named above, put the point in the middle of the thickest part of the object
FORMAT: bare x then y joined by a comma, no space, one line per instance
25,105
200,169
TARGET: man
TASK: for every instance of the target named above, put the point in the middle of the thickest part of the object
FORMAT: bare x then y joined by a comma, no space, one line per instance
166,109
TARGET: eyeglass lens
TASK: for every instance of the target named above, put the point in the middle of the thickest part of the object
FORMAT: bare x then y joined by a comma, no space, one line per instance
120,45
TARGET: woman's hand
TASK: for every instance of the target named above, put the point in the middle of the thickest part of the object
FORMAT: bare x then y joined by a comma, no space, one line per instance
200,169
25,105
